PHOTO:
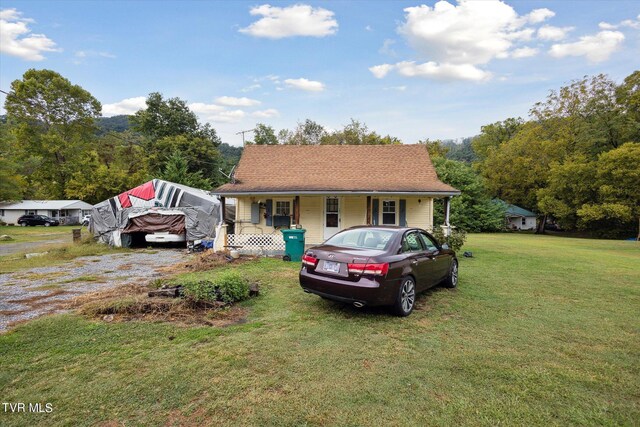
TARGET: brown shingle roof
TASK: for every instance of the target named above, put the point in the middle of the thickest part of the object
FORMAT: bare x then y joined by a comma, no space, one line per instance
361,168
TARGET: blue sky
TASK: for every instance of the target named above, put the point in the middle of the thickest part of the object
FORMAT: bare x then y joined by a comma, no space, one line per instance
409,69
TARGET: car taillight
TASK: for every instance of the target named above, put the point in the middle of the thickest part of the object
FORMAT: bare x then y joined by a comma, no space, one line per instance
378,269
309,260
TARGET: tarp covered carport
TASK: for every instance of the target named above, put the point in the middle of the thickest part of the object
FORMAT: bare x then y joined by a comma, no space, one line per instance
156,206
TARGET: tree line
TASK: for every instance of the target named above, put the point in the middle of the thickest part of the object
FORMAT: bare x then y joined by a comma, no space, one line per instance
575,160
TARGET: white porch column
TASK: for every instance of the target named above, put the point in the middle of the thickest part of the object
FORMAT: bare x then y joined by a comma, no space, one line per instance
447,225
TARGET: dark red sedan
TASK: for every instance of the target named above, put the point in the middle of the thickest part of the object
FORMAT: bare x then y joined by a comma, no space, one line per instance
378,266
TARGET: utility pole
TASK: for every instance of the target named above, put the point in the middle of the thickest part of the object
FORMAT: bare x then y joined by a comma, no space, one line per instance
243,132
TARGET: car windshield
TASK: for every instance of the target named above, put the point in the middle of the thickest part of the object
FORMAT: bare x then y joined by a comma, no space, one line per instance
362,238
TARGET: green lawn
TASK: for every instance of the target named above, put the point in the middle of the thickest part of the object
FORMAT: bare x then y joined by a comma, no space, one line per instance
39,233
541,331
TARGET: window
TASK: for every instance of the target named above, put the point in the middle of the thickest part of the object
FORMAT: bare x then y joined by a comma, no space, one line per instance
283,208
359,238
30,212
429,243
524,221
1,212
331,212
411,243
388,212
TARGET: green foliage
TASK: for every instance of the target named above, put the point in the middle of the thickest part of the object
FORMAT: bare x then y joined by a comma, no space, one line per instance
618,189
473,210
495,134
11,182
176,170
171,117
119,123
229,287
264,135
462,152
455,240
436,148
354,133
53,123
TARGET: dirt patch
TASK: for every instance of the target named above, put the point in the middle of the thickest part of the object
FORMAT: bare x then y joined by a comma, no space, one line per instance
31,301
206,261
131,302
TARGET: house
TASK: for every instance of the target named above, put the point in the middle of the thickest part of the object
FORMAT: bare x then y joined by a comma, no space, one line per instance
327,188
66,211
519,218
156,206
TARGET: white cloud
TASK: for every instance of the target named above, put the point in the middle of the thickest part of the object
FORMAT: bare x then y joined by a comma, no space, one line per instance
296,20
379,71
596,48
539,15
398,88
626,23
266,114
442,71
386,48
227,116
549,32
16,38
368,28
524,52
304,84
237,102
81,55
456,39
216,113
607,26
126,106
251,88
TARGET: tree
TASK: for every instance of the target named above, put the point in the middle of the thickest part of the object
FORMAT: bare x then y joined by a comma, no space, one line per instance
436,148
264,135
118,163
628,96
307,133
177,170
53,122
473,210
11,182
495,134
200,155
617,182
585,114
171,117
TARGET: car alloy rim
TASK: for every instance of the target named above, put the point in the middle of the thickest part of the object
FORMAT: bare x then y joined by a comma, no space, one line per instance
454,273
408,295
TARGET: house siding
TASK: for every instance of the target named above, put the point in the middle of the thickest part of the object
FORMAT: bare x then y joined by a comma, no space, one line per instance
353,211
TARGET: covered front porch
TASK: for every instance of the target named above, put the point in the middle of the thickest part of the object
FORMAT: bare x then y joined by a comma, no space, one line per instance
260,217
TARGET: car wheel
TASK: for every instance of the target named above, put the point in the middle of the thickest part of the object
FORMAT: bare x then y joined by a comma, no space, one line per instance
23,224
406,297
452,280
46,224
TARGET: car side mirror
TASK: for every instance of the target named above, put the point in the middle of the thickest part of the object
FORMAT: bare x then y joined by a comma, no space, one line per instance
445,246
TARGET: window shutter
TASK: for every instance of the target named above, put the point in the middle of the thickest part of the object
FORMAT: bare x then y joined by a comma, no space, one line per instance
374,211
269,209
403,213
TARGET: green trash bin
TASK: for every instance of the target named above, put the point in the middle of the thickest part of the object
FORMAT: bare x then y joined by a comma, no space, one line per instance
293,244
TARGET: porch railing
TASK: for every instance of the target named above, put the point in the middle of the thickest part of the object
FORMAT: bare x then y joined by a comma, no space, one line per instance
257,244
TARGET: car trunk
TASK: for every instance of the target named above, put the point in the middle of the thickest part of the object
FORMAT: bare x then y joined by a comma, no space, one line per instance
333,260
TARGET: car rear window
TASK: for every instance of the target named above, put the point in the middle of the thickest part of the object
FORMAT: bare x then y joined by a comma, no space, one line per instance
362,239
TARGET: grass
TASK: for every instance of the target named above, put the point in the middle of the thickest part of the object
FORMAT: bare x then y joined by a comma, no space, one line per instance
541,331
56,254
39,233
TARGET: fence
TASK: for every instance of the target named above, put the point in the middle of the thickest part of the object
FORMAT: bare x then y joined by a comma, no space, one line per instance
257,244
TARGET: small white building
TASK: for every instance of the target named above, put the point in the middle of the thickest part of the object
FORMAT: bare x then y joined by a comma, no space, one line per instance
519,218
65,211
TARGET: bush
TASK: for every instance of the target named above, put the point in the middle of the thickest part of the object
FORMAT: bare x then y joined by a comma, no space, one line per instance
455,240
227,287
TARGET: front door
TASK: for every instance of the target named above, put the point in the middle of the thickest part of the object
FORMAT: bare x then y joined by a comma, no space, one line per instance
331,216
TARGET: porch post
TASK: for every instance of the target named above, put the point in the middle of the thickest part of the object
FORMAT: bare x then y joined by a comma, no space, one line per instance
447,206
368,210
296,210
224,209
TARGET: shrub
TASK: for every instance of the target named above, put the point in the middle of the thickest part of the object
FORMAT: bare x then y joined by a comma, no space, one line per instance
227,287
455,240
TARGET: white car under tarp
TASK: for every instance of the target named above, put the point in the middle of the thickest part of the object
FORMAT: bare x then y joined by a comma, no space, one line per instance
157,206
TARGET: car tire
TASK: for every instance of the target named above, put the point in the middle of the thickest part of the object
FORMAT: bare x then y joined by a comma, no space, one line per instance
46,224
23,224
406,299
452,279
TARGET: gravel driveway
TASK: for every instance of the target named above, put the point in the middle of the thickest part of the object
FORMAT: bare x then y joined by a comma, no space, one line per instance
31,293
